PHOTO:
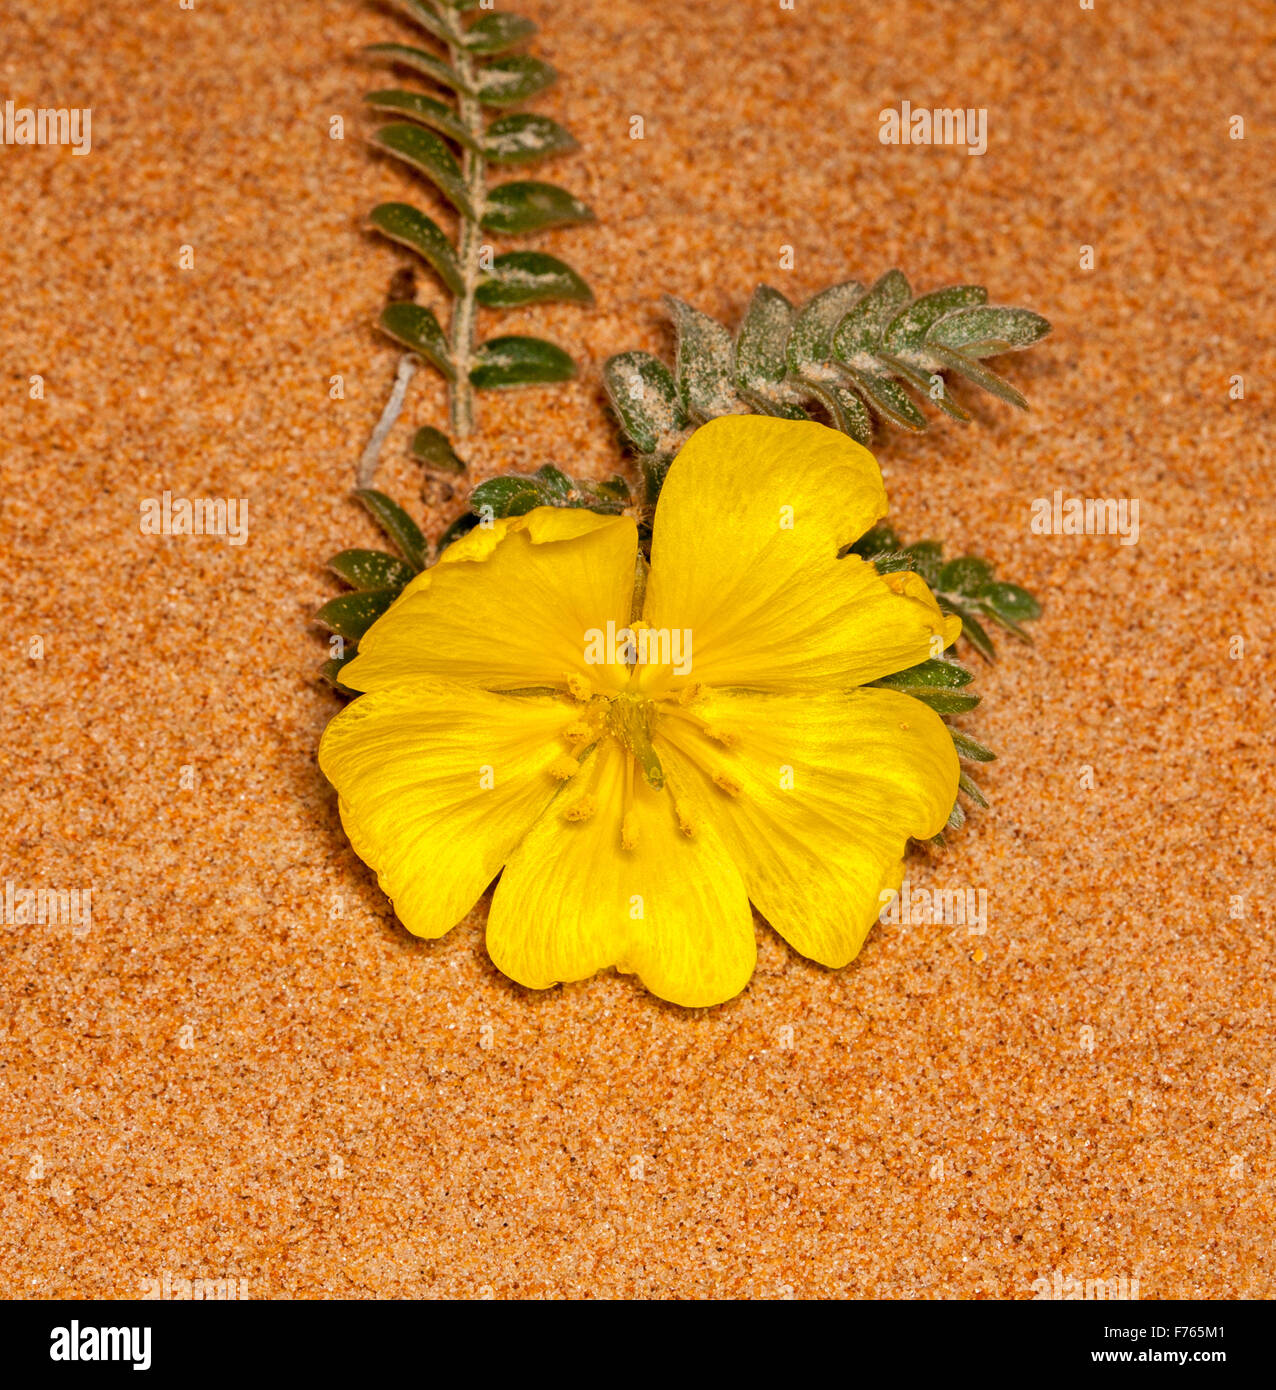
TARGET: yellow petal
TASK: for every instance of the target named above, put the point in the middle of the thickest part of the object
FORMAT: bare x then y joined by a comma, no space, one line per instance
828,790
572,901
506,608
745,554
438,783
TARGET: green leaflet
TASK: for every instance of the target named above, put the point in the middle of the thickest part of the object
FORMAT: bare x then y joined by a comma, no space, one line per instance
423,14
645,397
985,332
506,81
527,205
419,61
371,569
908,329
427,110
415,327
434,448
405,224
704,360
517,494
430,155
351,615
531,277
517,361
524,137
498,31
397,524
331,672
811,340
857,336
762,340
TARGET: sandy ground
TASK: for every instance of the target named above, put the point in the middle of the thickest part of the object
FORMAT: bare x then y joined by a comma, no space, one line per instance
246,1067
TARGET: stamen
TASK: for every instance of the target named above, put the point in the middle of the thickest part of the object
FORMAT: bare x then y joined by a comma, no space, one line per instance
564,768
686,818
688,693
728,738
629,819
579,688
731,785
583,809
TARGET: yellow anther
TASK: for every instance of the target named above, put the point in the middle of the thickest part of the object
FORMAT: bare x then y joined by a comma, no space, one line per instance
728,738
688,693
686,819
629,831
579,688
564,768
582,809
731,785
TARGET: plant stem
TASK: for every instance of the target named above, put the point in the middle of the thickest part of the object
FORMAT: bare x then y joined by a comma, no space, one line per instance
367,469
474,170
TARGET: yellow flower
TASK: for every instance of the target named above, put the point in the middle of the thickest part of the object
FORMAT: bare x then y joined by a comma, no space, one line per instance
633,810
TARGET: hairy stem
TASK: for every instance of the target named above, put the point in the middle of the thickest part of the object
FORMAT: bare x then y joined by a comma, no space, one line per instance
474,169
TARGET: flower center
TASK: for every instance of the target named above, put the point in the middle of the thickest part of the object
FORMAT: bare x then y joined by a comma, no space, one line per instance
631,718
